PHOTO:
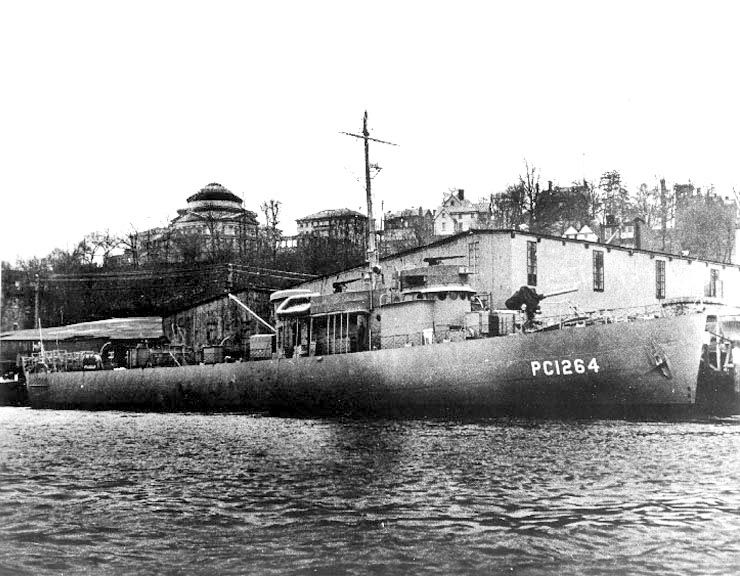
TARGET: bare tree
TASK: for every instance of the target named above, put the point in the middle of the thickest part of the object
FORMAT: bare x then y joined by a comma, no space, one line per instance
131,242
107,243
271,210
87,249
520,204
97,246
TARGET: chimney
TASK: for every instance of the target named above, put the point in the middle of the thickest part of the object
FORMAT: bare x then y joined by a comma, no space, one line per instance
549,185
460,194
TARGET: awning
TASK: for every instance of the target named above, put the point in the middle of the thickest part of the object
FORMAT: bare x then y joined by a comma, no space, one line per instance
290,292
300,309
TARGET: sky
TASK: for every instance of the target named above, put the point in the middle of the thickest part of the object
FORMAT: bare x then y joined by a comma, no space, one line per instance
113,113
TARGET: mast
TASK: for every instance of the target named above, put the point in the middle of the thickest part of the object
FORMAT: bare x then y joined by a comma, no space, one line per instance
372,253
372,250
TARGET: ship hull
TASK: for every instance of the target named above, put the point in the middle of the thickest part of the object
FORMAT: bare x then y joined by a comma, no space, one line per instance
626,369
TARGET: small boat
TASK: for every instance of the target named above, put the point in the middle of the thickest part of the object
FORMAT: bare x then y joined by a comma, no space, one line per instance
13,391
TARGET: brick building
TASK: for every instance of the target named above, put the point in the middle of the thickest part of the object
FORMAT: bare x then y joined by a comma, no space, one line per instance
341,224
406,229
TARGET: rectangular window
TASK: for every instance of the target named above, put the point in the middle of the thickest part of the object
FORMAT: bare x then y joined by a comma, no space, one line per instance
660,279
598,271
473,256
715,287
531,263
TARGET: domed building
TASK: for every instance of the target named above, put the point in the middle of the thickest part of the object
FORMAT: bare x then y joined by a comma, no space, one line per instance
213,226
215,209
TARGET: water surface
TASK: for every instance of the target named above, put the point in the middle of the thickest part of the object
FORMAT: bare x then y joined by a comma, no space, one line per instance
120,493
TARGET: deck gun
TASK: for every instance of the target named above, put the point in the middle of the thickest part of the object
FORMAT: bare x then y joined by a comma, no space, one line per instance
528,299
437,260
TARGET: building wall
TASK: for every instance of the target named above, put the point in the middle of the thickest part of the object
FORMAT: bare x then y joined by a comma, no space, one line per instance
494,277
15,312
629,275
444,225
501,268
335,225
211,322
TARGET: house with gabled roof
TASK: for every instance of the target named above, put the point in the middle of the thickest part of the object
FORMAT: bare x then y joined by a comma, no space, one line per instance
458,214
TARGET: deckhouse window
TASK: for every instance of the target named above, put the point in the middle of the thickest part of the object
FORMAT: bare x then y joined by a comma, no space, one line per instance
531,263
473,256
660,279
211,331
598,271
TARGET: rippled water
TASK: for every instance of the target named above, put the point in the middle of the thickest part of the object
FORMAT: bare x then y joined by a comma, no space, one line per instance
117,493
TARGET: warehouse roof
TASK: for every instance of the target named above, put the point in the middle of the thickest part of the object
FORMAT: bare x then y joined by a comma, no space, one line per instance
140,328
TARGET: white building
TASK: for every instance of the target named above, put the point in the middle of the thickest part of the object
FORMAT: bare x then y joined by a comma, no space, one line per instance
605,276
457,214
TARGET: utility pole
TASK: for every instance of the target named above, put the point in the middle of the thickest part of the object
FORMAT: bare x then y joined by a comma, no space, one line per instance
36,317
663,212
372,251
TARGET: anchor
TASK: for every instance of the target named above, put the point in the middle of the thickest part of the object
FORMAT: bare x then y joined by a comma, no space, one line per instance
658,357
